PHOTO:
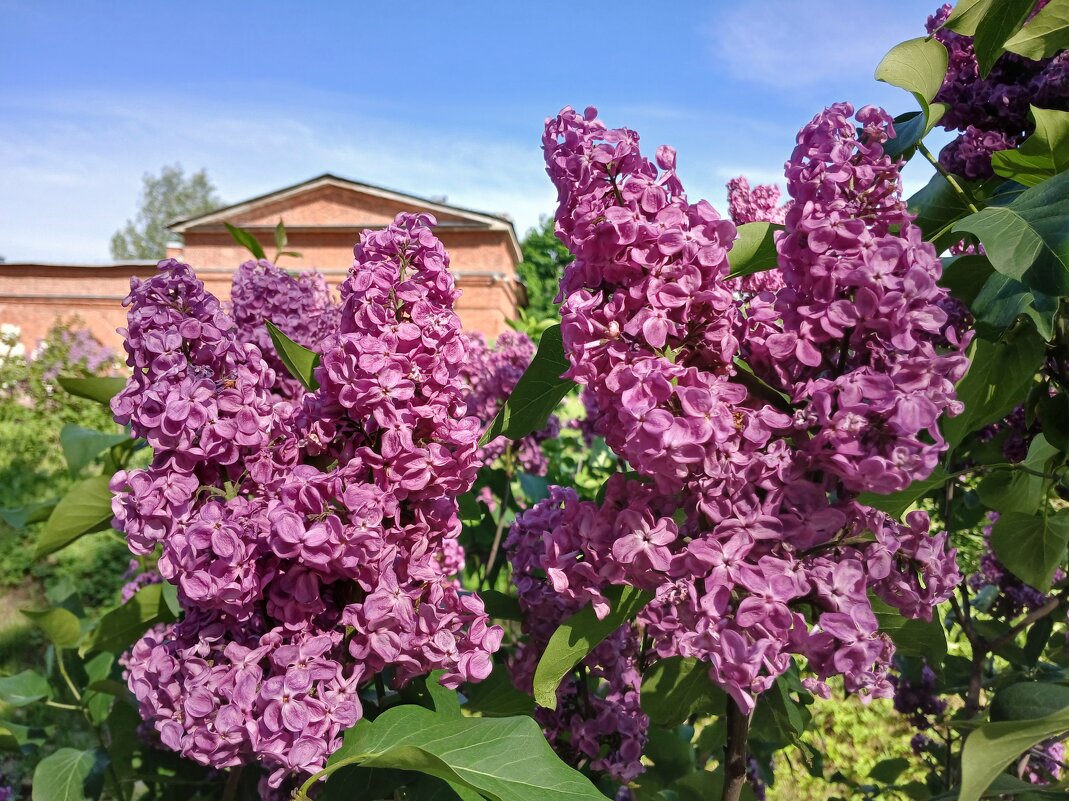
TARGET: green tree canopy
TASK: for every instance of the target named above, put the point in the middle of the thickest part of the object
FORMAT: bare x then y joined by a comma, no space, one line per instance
166,197
544,259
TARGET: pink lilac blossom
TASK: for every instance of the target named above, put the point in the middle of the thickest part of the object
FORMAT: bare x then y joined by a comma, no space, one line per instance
604,724
299,304
311,542
491,373
743,522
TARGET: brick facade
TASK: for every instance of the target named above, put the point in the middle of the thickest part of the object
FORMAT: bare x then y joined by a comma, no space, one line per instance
323,219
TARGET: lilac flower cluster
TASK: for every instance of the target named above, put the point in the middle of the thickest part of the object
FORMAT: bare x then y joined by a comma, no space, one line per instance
491,373
72,347
742,521
992,112
604,724
918,701
759,204
300,305
311,540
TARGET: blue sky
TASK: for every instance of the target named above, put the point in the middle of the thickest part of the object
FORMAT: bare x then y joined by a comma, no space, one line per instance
429,98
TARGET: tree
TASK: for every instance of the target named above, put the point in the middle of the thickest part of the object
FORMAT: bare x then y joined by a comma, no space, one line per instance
544,259
165,198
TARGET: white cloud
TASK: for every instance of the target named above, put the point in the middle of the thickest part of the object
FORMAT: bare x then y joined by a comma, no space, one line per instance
791,44
73,165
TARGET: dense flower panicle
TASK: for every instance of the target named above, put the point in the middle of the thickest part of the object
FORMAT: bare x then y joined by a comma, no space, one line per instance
299,304
73,347
319,548
603,725
918,700
992,112
759,204
742,521
491,373
864,345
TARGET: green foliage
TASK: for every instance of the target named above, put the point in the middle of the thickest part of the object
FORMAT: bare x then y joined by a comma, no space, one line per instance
580,634
1027,238
85,508
676,688
64,775
1031,546
165,198
912,637
247,241
1045,34
755,249
120,627
299,360
502,759
1042,155
544,260
537,394
990,748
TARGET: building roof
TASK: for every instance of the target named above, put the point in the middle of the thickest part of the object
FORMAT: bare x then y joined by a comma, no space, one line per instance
463,217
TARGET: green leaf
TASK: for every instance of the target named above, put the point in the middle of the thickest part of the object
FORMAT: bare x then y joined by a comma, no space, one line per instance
246,240
24,688
1042,155
937,207
912,637
745,375
99,389
912,127
63,776
84,509
1028,700
503,759
1032,547
678,687
1028,238
299,360
917,65
887,771
500,606
990,748
538,392
1000,374
121,627
1046,34
1014,490
671,753
898,503
1002,300
445,701
36,512
471,512
82,445
579,635
281,240
755,249
967,16
496,696
169,595
1002,20
966,276
60,625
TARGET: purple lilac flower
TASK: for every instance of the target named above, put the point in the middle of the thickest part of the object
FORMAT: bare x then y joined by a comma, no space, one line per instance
300,305
312,542
743,511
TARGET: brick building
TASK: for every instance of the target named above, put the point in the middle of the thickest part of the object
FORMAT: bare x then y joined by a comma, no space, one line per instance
323,219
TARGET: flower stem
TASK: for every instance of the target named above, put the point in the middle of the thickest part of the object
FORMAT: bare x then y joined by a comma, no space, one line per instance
735,752
967,199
